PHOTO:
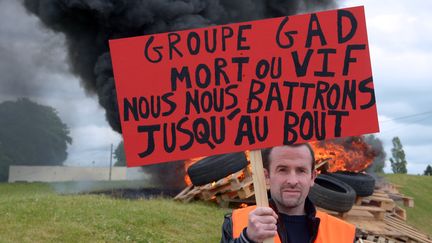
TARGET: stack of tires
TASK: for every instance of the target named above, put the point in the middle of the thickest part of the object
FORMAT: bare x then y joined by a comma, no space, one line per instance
337,191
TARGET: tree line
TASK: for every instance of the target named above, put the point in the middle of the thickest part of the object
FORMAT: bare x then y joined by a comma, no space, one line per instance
31,134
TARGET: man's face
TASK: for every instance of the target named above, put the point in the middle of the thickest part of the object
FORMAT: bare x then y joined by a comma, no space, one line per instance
290,177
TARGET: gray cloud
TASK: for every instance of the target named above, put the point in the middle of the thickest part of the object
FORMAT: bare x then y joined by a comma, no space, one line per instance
28,55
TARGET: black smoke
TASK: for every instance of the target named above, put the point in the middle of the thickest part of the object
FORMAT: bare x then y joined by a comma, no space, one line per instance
88,25
378,164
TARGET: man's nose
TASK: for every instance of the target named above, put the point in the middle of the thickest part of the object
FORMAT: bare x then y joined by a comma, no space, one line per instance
291,178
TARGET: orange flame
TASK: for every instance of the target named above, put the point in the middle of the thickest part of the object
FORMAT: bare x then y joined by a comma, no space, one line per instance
243,205
187,164
247,154
352,154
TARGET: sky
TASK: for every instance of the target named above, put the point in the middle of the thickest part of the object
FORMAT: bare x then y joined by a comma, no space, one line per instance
400,37
33,64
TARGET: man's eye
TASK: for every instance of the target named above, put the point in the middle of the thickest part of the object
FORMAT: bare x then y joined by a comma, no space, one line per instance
302,170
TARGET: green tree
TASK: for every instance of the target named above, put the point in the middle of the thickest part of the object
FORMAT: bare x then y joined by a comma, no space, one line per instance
398,161
428,171
119,155
31,134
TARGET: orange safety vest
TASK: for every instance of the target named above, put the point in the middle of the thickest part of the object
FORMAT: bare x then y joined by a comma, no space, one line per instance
331,229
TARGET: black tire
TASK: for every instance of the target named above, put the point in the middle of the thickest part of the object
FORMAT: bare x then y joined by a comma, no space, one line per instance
363,184
216,167
332,194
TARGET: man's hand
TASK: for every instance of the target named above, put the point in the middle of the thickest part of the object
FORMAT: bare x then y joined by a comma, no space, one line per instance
261,224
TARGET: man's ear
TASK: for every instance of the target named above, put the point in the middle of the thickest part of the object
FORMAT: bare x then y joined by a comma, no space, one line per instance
313,177
267,177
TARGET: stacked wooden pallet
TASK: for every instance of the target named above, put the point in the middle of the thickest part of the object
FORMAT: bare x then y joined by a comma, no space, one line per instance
390,229
236,188
379,218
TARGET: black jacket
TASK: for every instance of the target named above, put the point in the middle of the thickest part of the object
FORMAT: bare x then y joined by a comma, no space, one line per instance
313,224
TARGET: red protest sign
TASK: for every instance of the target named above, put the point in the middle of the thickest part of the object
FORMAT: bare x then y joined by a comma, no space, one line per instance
244,86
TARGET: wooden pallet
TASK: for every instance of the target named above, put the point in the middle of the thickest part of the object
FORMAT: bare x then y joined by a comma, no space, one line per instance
399,213
378,239
379,201
409,231
238,186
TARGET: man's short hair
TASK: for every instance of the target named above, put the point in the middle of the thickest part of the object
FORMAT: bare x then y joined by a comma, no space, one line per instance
265,153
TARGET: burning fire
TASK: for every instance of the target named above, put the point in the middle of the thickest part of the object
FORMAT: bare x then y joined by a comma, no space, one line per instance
187,164
351,154
243,205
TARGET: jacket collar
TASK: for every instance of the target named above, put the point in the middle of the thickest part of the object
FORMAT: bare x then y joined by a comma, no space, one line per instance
312,220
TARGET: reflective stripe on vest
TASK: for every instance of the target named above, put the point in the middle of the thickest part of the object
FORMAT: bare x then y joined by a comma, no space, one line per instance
331,229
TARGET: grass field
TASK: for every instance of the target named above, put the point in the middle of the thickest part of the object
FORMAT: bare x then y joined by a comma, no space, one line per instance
420,188
33,212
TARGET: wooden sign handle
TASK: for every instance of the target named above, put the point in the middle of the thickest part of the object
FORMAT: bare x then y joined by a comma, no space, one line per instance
259,182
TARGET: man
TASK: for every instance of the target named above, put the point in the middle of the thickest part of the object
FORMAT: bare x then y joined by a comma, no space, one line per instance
290,172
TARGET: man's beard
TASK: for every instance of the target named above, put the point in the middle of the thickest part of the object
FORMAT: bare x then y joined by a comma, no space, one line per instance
289,201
